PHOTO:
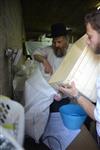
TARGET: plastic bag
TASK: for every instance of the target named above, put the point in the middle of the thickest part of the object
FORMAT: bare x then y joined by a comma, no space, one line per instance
21,76
38,97
56,135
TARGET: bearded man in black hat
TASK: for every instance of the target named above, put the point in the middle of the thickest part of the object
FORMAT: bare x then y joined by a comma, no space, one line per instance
50,57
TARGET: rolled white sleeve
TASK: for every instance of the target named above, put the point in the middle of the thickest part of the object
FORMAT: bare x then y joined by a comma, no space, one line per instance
38,51
43,51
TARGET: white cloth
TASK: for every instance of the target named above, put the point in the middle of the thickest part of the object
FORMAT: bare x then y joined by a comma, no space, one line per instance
52,59
38,97
97,109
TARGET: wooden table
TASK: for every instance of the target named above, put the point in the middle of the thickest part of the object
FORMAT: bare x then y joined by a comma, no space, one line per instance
84,141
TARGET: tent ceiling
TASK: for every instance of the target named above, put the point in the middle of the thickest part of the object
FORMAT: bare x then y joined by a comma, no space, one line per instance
40,14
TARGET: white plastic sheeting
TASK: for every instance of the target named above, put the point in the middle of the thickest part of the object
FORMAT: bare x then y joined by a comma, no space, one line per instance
38,97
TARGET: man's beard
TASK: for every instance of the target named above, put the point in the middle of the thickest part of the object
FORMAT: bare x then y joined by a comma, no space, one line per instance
60,52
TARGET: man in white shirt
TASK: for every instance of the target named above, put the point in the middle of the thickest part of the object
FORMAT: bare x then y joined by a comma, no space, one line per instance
51,57
92,22
37,92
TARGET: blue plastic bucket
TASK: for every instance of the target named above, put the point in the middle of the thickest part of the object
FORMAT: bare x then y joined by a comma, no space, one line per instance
73,116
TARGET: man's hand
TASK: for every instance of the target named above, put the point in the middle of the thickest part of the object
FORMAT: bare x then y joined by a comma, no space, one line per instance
68,89
47,67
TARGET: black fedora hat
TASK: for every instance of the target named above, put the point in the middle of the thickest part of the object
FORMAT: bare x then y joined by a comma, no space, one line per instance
58,29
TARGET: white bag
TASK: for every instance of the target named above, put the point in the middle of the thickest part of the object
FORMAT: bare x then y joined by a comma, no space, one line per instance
38,97
20,77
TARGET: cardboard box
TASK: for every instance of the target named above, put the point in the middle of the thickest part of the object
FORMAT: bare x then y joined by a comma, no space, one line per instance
79,65
84,141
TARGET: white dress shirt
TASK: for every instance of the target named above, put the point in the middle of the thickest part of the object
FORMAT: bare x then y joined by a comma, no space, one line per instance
97,109
52,59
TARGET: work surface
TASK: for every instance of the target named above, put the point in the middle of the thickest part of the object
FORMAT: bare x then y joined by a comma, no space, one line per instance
84,141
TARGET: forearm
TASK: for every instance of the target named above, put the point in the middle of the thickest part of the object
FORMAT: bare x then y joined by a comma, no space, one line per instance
87,105
81,100
44,61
